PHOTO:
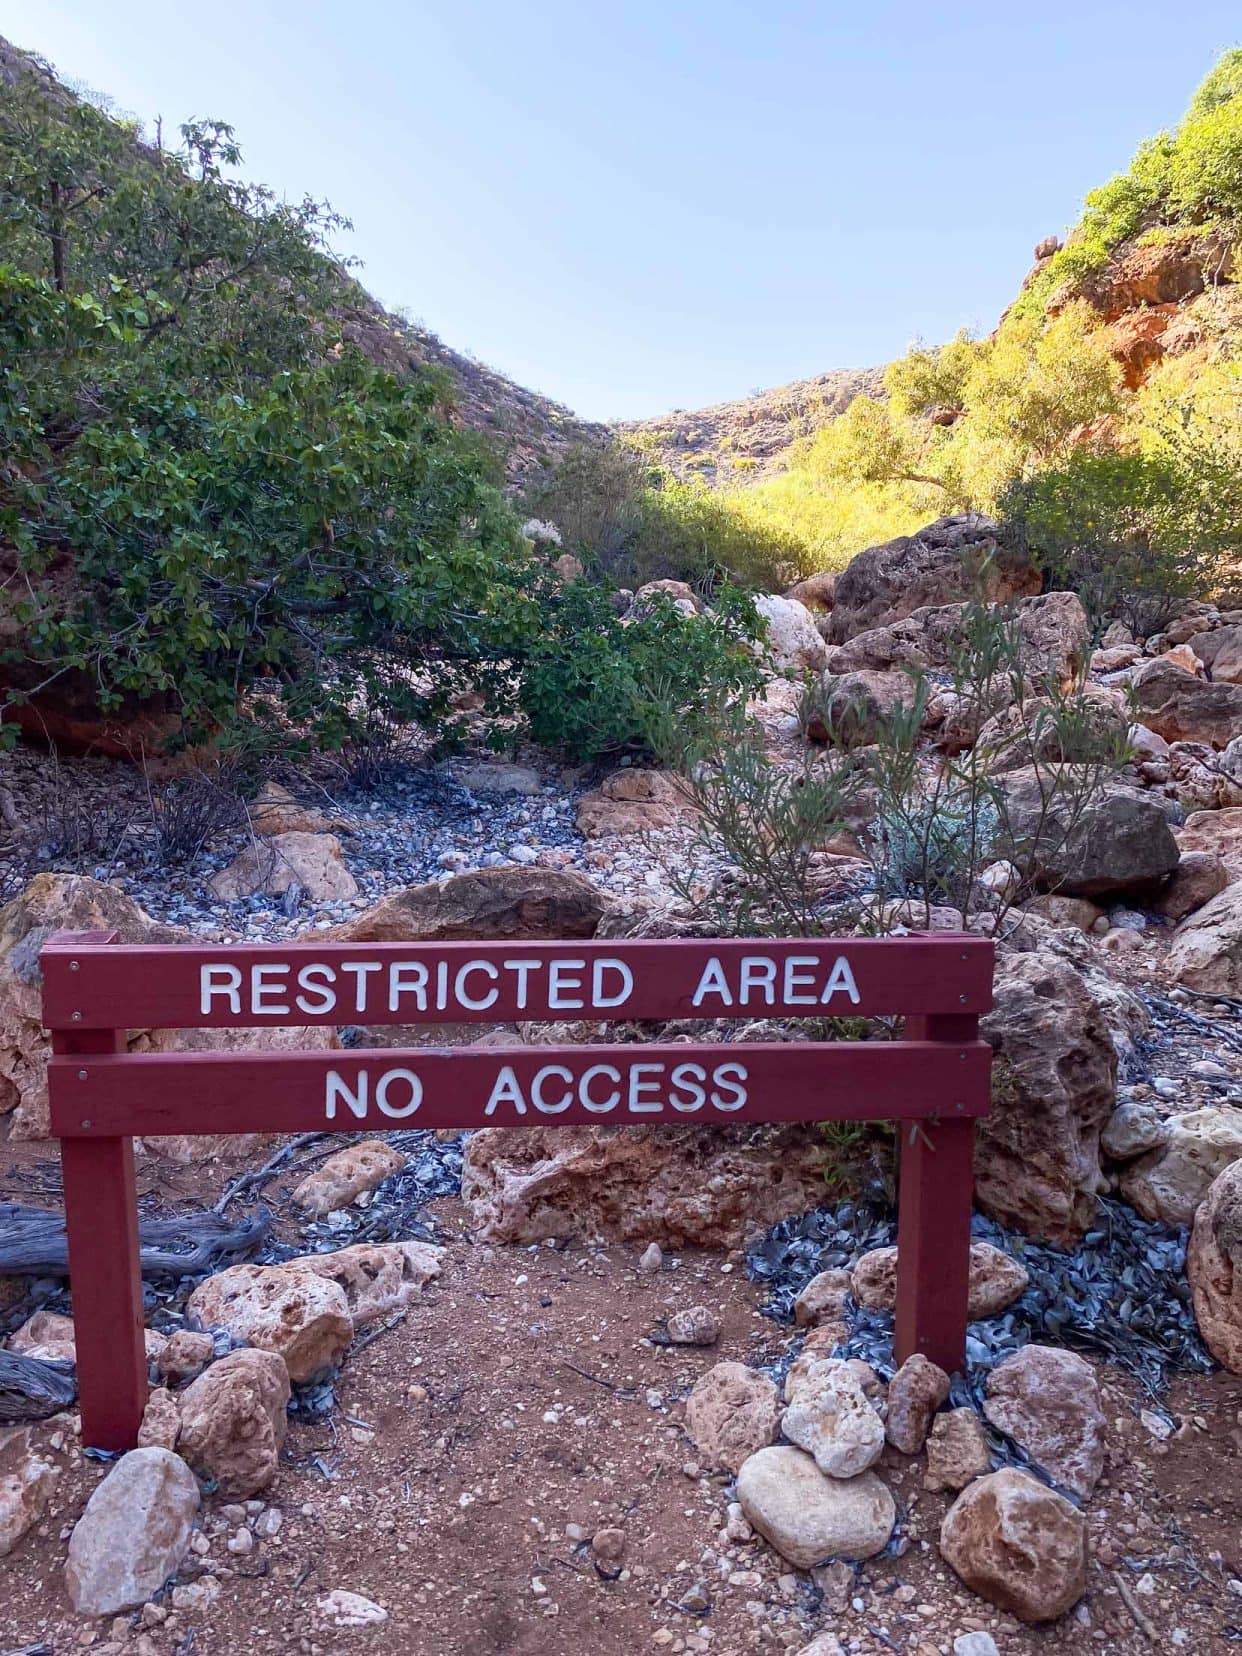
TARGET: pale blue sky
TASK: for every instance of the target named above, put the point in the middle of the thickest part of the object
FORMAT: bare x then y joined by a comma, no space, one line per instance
643,205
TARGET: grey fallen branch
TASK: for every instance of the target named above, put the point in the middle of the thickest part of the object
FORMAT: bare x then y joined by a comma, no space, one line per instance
31,1389
33,1242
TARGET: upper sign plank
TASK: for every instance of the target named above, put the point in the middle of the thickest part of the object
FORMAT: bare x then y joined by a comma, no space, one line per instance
88,984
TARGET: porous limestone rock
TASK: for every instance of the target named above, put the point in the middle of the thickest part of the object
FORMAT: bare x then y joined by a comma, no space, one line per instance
1207,948
695,1325
272,864
810,1518
792,640
1184,708
823,1298
915,1392
943,563
997,1279
1171,1181
161,1421
233,1422
684,1186
957,1450
731,1412
1018,1545
630,801
300,1315
347,1174
133,1534
1048,1401
186,1354
831,1417
1214,1266
276,811
26,1484
1054,1085
487,905
375,1277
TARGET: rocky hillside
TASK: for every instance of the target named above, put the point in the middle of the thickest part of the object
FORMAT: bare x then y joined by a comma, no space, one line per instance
531,430
747,439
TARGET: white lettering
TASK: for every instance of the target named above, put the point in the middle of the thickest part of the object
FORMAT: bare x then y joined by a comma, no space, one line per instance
398,1110
338,1088
599,998
362,970
799,975
842,978
459,986
688,1079
220,980
758,972
734,1090
550,1072
407,977
261,988
712,983
639,1088
599,1106
562,983
506,1090
442,986
523,968
307,979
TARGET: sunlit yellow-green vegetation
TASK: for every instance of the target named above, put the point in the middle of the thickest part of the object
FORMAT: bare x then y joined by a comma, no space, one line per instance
1184,182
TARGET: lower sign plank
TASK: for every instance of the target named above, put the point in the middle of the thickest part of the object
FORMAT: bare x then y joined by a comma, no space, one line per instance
289,1093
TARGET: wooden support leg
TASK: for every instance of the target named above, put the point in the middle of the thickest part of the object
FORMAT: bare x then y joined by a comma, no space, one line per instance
105,1276
936,1177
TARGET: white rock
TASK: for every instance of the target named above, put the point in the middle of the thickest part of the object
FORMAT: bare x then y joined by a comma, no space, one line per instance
809,1518
341,1608
832,1418
133,1534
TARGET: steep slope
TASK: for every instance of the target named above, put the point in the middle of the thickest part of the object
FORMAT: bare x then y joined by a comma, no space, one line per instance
529,429
745,440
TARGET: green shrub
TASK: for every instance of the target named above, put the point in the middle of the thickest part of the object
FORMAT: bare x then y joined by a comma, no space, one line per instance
595,686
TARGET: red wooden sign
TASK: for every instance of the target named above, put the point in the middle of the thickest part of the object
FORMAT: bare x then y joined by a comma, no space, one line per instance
102,1097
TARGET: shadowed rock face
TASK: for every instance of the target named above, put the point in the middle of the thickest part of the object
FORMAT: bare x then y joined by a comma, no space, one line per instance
1214,1266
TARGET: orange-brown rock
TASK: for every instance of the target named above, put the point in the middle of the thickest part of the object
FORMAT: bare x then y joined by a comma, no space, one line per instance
1214,1267
375,1277
631,801
347,1174
490,904
1018,1545
1135,340
301,1316
1184,708
731,1412
685,1186
233,1422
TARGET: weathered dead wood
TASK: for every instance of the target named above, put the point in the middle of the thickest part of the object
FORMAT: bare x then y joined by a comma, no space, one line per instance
32,1242
31,1389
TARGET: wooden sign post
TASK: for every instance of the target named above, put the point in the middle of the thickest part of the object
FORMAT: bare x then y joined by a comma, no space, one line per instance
102,1097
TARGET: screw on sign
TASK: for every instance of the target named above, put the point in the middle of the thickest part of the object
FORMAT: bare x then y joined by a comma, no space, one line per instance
102,1097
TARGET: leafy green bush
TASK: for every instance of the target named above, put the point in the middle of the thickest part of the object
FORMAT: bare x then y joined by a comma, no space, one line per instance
634,522
1135,535
594,685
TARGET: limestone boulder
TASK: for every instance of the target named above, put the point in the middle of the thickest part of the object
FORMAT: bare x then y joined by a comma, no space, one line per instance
375,1277
301,1316
496,777
810,1518
1203,779
947,562
957,1450
273,864
1048,1402
630,801
1054,1085
685,1186
996,1280
1207,947
1184,708
823,1298
487,905
27,1480
347,1174
133,1534
816,592
915,1392
853,709
161,1421
1171,1180
1198,877
731,1412
233,1422
1220,651
654,593
1018,1545
1134,1128
277,811
1215,833
1214,1267
792,640
832,1419
1114,839
185,1356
